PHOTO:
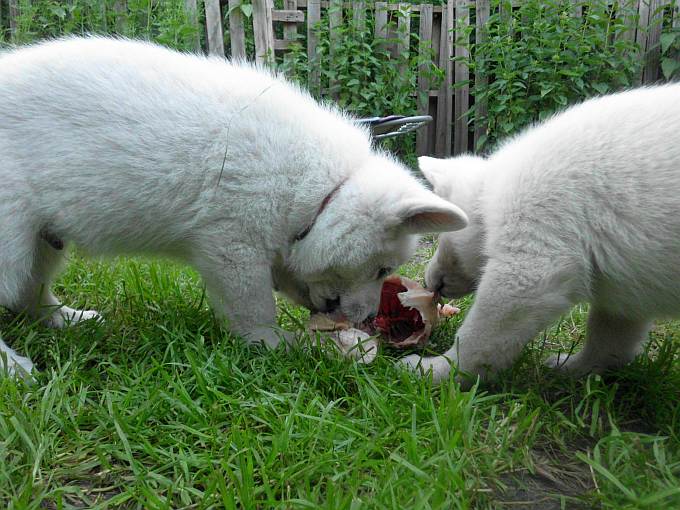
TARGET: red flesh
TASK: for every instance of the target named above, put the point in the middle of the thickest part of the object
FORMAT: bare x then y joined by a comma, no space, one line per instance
394,320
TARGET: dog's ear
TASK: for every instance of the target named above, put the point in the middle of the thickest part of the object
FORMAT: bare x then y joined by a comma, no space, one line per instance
430,214
433,169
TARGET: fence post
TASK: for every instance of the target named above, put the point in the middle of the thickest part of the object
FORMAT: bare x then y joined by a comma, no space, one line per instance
264,31
461,76
289,29
13,13
334,25
442,145
213,26
120,8
237,32
359,16
424,48
631,8
404,36
483,11
653,50
313,19
192,15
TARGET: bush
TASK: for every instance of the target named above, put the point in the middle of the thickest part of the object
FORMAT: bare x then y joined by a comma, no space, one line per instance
670,52
163,21
541,58
362,75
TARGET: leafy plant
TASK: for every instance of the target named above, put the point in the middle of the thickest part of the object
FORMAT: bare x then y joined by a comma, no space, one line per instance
367,75
163,21
670,52
539,57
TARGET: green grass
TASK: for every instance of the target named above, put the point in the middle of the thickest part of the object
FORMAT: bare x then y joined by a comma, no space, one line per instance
158,408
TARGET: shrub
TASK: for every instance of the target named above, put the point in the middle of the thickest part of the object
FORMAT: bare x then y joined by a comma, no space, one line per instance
542,57
163,21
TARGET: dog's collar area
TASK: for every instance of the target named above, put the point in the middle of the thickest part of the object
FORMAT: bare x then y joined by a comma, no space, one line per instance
324,203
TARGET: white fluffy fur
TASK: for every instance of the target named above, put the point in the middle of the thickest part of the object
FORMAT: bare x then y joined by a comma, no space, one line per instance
126,147
583,208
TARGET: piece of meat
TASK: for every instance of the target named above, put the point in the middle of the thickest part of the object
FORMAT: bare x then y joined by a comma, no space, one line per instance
406,315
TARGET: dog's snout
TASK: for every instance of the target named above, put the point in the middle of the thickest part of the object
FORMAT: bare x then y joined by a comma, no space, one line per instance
434,284
332,305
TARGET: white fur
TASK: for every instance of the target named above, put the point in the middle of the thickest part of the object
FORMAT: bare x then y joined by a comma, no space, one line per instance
583,208
126,147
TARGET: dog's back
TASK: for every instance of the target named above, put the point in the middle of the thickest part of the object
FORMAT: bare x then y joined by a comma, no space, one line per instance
598,186
159,130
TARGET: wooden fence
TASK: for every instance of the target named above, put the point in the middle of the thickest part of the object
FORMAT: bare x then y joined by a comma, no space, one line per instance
274,30
450,133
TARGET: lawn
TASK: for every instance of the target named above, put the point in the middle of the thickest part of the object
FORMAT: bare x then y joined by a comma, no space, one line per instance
158,408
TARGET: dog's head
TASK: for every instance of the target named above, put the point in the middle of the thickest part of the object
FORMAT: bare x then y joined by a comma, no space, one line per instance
367,230
457,264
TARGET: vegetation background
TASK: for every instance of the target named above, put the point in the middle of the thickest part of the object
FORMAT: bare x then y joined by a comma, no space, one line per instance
159,408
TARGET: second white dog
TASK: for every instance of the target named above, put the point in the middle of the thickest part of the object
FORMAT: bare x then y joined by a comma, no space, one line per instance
583,208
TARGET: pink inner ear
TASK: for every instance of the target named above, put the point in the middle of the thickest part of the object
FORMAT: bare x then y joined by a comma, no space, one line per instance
433,219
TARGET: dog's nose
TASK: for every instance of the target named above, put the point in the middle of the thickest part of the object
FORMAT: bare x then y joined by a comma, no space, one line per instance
332,304
435,285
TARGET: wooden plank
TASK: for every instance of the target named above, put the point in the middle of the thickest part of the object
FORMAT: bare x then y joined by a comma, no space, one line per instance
120,8
424,52
289,14
192,16
359,16
481,105
334,24
381,20
237,30
263,31
630,9
653,53
213,27
13,14
283,45
505,11
641,35
404,36
462,92
444,107
290,26
313,19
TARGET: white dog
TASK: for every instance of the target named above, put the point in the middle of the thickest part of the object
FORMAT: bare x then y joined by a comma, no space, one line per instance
126,147
583,208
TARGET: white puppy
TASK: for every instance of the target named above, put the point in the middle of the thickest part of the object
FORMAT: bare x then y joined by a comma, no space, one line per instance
126,147
582,208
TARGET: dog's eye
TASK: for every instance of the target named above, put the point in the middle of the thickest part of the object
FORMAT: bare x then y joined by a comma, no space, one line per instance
384,271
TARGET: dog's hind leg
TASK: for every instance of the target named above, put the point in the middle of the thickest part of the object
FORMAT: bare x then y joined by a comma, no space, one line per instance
612,341
36,298
16,256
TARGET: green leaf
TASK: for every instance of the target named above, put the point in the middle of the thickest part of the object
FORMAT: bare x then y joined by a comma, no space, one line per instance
602,88
667,40
669,66
247,10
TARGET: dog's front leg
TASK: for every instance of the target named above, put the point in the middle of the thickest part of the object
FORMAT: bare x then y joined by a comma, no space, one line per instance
241,291
512,305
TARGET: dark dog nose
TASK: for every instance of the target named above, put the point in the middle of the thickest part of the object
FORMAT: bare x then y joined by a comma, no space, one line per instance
332,304
435,286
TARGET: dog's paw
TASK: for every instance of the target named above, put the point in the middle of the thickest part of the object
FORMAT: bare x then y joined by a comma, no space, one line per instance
571,364
66,316
270,337
438,366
